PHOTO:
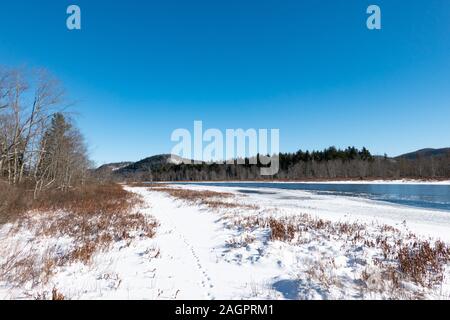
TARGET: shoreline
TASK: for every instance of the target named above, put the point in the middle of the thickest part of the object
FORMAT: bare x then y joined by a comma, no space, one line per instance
375,181
218,243
427,222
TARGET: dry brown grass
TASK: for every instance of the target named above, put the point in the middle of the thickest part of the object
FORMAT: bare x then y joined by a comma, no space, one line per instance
401,259
149,184
14,201
421,262
288,229
211,199
414,260
282,230
93,217
192,195
25,266
241,242
55,295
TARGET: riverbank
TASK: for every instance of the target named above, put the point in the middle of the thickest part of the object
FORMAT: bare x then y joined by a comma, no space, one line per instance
428,223
315,181
214,242
277,244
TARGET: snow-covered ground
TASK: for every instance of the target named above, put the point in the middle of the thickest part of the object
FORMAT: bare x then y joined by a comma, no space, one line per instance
424,222
205,256
203,253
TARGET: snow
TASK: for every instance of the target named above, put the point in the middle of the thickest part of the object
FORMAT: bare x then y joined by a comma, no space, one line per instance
425,222
192,249
119,273
198,254
119,167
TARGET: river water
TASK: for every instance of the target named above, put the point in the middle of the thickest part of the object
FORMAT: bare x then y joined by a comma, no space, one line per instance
416,195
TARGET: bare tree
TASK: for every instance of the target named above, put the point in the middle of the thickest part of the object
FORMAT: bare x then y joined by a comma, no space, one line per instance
29,100
27,103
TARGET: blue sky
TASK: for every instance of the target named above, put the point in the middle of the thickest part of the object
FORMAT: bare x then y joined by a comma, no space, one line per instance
140,69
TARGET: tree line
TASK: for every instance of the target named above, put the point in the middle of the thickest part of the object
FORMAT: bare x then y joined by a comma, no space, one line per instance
39,144
331,163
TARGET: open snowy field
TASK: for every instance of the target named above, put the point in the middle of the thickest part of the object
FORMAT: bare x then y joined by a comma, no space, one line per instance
244,243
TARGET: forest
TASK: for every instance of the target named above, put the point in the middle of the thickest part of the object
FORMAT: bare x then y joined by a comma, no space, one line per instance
331,163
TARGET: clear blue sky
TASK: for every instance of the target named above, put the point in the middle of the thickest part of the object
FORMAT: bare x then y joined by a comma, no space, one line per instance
140,69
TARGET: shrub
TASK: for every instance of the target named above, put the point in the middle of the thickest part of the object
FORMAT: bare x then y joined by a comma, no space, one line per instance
94,216
14,201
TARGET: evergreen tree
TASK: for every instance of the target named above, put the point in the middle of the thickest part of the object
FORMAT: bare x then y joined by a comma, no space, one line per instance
64,158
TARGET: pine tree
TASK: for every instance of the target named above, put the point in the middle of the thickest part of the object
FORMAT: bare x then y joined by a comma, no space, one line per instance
63,157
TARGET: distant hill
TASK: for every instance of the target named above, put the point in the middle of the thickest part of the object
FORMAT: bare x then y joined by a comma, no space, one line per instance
112,167
425,153
150,164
